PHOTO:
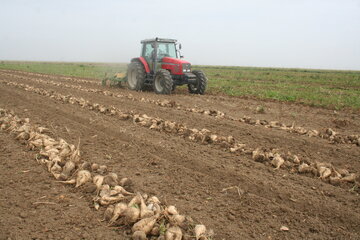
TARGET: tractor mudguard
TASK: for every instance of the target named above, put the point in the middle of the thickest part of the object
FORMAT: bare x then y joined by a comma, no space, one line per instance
143,61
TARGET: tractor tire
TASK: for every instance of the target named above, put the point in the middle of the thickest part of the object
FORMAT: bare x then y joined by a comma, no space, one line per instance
136,76
163,83
201,84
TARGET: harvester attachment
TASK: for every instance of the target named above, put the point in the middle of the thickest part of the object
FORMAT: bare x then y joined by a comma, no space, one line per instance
117,80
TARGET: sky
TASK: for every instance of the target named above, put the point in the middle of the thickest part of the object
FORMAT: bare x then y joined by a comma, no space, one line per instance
322,34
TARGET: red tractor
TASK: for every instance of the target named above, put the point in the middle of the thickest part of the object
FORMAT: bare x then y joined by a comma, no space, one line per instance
160,66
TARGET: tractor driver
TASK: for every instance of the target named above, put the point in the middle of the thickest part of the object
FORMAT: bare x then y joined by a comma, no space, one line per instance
152,54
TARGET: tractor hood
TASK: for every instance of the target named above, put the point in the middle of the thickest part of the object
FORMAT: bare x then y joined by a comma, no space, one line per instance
174,61
176,66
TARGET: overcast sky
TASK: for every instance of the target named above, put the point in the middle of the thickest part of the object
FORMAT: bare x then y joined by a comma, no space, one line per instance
268,33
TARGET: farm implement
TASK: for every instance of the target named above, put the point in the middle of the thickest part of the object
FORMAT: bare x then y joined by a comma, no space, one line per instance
118,80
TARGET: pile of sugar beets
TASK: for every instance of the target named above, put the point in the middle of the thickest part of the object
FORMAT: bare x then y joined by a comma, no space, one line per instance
146,215
325,171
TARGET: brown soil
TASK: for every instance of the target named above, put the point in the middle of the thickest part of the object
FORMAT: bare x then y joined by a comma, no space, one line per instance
189,175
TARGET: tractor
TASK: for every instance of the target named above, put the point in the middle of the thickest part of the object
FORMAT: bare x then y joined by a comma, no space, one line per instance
161,67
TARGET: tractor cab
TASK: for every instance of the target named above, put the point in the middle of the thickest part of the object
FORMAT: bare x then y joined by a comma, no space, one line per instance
160,66
163,53
154,51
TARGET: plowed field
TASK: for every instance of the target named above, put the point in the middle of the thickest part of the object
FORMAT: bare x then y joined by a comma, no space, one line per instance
219,186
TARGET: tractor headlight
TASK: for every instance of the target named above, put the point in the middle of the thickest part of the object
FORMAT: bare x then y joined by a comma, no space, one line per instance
186,67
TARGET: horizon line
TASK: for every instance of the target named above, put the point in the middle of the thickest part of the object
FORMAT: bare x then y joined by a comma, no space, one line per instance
210,65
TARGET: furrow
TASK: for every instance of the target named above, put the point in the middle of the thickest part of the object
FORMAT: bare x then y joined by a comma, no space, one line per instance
274,157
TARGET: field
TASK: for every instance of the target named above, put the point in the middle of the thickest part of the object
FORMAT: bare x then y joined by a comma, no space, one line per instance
267,154
324,88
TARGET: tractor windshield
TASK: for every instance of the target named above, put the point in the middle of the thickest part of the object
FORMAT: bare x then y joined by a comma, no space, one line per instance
166,50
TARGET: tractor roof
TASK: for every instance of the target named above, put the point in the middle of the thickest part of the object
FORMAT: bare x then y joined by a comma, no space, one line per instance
159,40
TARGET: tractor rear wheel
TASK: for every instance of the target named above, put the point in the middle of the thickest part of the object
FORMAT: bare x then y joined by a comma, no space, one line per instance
201,83
136,76
163,82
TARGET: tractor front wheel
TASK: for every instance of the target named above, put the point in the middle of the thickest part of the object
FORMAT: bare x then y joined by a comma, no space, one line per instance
201,83
136,76
163,82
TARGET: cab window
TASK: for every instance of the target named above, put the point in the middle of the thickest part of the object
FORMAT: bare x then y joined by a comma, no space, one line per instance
147,51
166,50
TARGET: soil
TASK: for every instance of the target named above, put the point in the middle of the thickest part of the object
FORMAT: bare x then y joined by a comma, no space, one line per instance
230,193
